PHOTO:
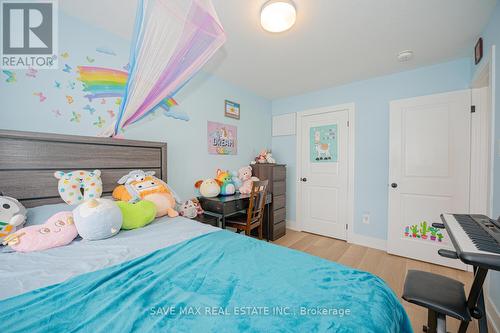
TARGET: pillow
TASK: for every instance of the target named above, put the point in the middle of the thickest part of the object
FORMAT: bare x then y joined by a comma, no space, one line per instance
40,215
137,215
77,186
12,216
98,219
59,230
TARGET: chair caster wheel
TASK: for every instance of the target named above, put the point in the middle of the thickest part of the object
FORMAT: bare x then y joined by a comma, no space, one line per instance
424,328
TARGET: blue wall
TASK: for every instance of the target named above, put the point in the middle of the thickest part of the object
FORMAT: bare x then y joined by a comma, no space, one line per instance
491,36
371,98
202,99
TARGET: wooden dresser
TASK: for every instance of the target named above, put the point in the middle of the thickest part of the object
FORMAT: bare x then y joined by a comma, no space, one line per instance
276,174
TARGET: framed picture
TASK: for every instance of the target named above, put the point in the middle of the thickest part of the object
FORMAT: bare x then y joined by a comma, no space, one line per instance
222,139
231,109
478,51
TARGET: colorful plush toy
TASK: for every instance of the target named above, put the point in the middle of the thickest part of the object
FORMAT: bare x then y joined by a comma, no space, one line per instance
225,180
97,219
209,188
188,209
78,186
137,214
245,176
12,216
140,185
59,230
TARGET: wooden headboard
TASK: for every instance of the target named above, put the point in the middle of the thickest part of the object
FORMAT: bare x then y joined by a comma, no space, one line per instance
28,161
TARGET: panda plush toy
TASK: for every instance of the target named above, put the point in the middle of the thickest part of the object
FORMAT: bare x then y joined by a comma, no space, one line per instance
12,216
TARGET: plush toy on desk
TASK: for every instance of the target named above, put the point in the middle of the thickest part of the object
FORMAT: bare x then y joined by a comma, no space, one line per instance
59,230
97,219
12,216
226,183
245,176
139,185
209,188
78,186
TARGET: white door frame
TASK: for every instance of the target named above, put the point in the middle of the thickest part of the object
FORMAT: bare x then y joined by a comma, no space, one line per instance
350,108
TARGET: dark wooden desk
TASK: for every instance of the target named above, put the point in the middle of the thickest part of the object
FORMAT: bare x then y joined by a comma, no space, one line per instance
225,206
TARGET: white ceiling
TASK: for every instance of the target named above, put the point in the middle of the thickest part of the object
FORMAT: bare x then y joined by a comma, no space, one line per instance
333,41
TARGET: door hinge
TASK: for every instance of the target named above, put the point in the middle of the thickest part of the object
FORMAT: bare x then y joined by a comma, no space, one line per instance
348,123
347,227
472,109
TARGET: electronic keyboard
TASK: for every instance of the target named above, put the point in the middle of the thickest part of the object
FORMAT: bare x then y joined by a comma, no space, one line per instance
476,239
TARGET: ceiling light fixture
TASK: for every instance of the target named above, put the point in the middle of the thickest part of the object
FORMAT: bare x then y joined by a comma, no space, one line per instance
278,15
404,56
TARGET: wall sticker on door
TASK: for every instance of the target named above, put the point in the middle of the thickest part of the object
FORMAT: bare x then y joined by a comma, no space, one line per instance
323,144
424,232
221,138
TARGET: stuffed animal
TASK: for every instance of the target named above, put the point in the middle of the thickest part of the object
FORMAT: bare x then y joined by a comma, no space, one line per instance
59,230
197,204
209,188
97,219
226,182
12,216
140,185
264,156
245,176
188,209
236,179
137,214
78,186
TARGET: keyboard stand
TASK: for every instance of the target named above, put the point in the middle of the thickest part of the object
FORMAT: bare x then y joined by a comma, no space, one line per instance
475,302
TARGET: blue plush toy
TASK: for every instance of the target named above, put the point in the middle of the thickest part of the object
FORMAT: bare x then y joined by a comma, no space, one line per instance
97,219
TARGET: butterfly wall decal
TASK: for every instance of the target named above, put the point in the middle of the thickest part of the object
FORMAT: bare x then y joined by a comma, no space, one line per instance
56,113
69,99
90,60
111,113
40,95
103,101
118,101
71,84
11,76
100,122
76,117
89,108
57,84
31,72
67,68
65,55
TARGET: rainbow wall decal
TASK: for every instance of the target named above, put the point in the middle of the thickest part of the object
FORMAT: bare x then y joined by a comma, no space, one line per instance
100,82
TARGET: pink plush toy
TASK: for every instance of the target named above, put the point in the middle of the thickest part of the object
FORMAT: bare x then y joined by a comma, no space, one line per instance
59,230
245,176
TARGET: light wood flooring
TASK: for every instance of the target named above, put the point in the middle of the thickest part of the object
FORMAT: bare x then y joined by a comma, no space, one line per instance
388,267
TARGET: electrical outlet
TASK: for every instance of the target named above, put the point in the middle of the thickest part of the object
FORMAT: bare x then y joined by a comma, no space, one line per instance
366,218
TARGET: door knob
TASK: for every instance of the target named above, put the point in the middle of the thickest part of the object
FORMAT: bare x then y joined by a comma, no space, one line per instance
303,179
394,185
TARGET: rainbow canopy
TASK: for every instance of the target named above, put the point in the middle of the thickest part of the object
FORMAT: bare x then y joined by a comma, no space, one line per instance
173,39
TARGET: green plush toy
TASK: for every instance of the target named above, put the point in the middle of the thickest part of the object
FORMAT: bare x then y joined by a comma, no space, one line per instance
137,215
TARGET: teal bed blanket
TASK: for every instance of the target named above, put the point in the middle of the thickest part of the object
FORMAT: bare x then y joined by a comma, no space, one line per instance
218,282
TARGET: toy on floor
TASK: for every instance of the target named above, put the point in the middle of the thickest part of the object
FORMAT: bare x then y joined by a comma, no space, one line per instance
225,180
78,186
140,185
136,214
12,216
188,209
97,219
245,176
59,230
265,156
209,188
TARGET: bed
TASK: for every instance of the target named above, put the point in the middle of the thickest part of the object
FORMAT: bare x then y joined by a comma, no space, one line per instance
174,275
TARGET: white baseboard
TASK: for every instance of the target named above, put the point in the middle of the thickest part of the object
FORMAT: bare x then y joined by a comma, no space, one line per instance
292,225
375,243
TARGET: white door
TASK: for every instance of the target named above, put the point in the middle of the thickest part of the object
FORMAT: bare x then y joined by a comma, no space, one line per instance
324,173
429,163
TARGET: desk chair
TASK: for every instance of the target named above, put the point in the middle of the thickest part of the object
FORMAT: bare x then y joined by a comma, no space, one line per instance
255,213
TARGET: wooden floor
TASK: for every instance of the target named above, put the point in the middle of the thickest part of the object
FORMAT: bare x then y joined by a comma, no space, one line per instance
392,269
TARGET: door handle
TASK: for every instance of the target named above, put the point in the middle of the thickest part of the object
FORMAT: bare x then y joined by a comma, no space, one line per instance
394,185
303,179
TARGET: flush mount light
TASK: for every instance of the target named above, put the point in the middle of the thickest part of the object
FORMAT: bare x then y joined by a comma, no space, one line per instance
278,15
